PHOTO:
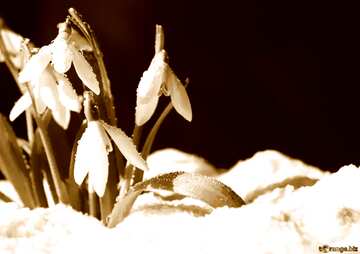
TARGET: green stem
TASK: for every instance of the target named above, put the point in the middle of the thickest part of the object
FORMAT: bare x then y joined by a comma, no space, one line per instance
152,134
106,102
93,203
29,126
139,174
84,27
129,169
61,190
159,39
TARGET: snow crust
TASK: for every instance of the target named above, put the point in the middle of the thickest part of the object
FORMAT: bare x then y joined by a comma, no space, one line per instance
283,215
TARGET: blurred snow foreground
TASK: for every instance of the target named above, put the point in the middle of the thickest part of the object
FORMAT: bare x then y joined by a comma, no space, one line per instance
291,208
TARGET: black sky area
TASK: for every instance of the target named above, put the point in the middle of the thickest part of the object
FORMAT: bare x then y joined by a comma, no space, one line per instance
276,74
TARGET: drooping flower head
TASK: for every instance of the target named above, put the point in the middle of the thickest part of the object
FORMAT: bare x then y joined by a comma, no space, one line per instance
12,44
160,79
50,86
50,90
62,52
95,145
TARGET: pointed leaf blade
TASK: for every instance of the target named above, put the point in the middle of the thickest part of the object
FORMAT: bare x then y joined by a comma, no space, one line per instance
126,146
85,71
12,164
207,189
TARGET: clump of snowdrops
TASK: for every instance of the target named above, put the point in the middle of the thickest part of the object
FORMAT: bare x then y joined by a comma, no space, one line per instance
99,170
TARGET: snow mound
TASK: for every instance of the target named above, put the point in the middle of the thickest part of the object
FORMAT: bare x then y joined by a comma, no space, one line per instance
170,160
268,170
44,230
300,216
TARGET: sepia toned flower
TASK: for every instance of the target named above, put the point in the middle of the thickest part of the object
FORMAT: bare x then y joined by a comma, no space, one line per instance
160,79
12,44
92,154
51,90
66,49
94,146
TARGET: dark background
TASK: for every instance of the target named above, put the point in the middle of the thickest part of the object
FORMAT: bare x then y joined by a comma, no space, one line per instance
276,74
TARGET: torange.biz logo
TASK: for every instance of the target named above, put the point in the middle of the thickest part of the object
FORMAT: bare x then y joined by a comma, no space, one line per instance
342,249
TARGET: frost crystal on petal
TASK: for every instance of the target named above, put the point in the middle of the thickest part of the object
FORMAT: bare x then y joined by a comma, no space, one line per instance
91,157
36,65
85,71
125,145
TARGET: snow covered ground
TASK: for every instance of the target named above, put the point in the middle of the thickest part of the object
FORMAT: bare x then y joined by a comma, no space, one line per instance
292,208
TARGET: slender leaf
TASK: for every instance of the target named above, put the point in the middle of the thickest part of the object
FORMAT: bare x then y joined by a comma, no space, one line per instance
38,164
107,201
197,186
59,141
139,174
12,163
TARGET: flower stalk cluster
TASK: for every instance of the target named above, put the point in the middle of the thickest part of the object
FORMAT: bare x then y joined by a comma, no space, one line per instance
50,100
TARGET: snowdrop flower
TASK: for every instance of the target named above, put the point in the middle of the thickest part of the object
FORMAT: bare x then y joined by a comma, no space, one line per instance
160,79
13,44
62,52
93,149
51,90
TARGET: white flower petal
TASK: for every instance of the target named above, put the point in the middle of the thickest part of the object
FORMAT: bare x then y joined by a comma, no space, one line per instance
152,79
83,156
61,116
20,106
12,41
85,71
98,175
61,55
91,156
36,65
144,111
18,60
13,44
67,94
48,90
179,97
80,42
39,103
126,146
